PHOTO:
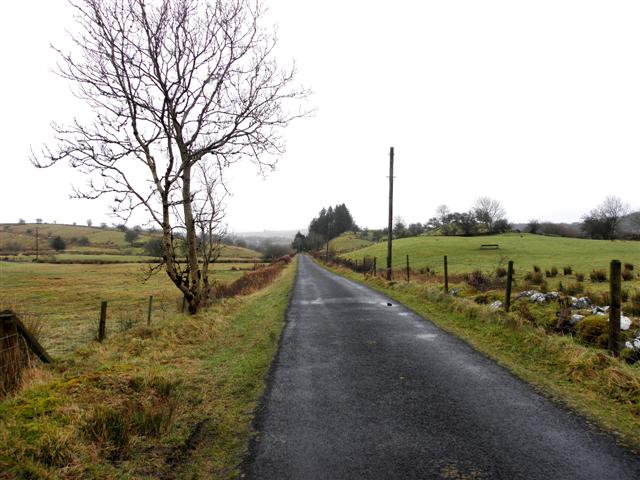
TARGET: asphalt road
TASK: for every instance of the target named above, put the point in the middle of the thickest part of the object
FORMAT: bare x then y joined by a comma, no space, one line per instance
362,390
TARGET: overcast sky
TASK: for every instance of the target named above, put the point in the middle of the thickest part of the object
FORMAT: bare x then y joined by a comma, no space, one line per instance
534,103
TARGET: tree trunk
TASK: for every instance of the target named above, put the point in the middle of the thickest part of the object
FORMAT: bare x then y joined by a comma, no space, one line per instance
195,285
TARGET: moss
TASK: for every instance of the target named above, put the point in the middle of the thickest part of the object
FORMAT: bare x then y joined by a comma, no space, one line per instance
594,330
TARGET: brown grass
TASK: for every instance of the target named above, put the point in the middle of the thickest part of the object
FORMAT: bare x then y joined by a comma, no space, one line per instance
251,281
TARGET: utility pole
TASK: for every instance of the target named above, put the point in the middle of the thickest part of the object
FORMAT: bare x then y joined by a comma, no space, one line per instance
326,255
390,229
37,249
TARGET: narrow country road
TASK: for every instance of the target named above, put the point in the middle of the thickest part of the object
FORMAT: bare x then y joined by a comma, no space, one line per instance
362,390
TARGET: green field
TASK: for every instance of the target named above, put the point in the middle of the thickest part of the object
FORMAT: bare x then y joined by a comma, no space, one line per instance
465,255
106,244
347,242
65,299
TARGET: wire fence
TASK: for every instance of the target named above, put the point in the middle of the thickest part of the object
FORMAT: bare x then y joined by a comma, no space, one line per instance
64,329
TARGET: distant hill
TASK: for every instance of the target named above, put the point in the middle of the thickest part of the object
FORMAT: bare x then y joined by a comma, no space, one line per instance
631,223
84,240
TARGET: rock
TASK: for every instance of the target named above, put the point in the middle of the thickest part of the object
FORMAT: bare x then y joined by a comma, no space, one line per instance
496,305
525,293
454,292
537,298
551,296
599,310
582,302
633,344
625,323
575,318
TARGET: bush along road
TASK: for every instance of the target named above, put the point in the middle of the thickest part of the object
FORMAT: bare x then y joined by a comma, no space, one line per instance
364,388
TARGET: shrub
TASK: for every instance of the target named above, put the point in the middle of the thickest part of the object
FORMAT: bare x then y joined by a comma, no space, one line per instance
536,269
272,251
598,276
579,277
83,241
251,281
627,275
131,236
567,270
554,271
628,266
501,272
153,247
57,243
478,280
547,273
594,331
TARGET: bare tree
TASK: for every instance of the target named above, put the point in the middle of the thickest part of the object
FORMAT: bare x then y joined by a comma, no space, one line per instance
174,85
533,226
488,211
442,212
604,220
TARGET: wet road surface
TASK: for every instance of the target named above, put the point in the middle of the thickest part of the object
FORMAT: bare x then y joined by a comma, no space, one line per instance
361,390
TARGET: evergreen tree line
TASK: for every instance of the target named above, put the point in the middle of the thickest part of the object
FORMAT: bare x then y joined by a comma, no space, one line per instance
330,223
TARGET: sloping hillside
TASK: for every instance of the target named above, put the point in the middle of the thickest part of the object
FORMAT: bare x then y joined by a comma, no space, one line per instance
465,253
84,240
346,242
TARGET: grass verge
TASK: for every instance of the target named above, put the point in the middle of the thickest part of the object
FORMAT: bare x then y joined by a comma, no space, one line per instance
170,401
588,380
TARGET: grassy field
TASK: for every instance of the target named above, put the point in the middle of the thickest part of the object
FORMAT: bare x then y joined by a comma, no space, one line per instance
107,241
465,255
174,400
587,379
25,234
65,299
347,242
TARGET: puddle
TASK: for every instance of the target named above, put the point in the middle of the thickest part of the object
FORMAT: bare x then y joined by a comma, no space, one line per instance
426,336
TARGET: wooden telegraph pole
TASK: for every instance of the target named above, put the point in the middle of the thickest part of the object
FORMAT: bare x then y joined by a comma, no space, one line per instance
37,249
615,282
390,228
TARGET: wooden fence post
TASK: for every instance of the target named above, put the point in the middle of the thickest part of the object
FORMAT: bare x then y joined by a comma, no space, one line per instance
102,326
375,267
408,275
8,330
446,276
615,282
149,310
11,372
507,298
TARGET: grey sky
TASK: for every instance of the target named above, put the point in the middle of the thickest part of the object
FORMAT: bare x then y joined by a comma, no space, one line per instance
536,104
